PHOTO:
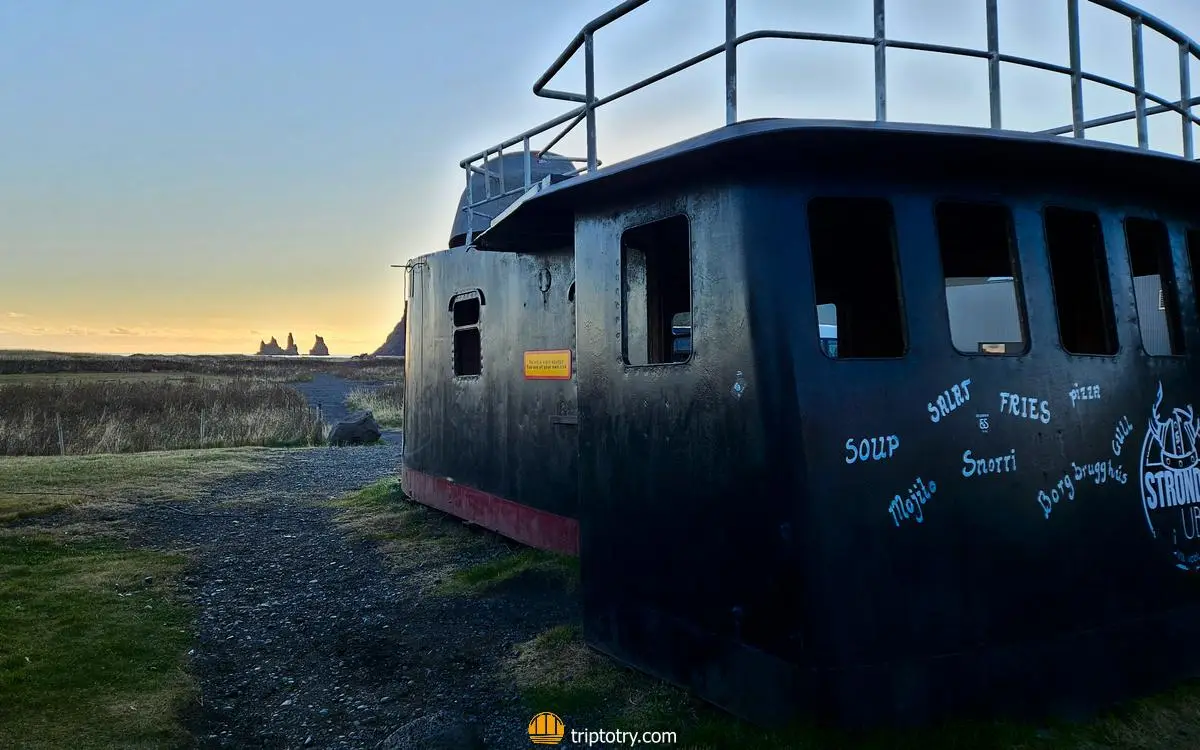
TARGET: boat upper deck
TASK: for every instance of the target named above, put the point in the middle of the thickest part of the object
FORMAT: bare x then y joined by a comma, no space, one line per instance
491,194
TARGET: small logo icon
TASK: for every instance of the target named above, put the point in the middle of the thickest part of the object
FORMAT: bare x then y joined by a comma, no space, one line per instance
983,422
546,729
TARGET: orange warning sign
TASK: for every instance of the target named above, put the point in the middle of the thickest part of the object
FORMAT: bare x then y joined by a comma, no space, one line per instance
548,364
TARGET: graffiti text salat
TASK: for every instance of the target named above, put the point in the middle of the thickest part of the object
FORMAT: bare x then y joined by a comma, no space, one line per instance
949,400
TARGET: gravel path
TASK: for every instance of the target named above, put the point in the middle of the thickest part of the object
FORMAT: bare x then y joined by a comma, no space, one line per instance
329,393
307,640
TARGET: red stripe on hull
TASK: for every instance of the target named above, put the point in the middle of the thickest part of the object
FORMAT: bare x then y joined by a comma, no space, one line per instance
537,528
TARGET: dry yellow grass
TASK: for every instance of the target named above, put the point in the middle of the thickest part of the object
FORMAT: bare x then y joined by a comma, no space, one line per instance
386,403
120,416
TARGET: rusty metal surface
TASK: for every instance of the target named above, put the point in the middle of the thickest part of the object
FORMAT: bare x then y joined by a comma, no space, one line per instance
782,531
494,431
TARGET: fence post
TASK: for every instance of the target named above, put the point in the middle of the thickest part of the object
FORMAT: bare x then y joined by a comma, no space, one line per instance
201,428
62,447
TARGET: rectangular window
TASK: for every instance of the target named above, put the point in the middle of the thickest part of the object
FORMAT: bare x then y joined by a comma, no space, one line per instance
984,297
468,355
1079,275
466,312
857,278
1154,287
656,292
468,345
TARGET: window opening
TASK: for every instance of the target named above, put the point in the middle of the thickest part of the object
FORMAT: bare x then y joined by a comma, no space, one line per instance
656,292
857,278
467,342
1079,275
984,298
1154,287
466,312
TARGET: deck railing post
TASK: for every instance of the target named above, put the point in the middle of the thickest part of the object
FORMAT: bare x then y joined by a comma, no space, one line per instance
487,175
730,62
1148,102
503,184
1185,97
589,60
528,164
470,201
993,39
1076,68
880,61
1139,81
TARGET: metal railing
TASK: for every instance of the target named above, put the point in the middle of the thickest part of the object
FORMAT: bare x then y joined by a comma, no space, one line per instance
589,102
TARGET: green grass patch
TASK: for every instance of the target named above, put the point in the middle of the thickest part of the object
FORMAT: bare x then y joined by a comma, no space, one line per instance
480,578
429,545
557,672
407,531
38,485
93,644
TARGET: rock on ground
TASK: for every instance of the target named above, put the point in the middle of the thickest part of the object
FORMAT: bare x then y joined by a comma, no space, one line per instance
356,429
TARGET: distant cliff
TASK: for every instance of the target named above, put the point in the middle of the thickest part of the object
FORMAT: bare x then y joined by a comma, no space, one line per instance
393,346
319,349
270,348
273,348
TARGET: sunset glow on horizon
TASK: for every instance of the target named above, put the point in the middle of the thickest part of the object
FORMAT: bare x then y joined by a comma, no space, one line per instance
185,177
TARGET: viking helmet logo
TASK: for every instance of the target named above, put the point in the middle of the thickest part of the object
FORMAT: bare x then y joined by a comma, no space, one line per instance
1172,441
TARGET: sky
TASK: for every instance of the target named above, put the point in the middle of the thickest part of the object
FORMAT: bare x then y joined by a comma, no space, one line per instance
194,177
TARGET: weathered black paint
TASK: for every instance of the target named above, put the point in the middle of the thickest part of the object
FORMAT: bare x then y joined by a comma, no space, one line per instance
494,431
729,545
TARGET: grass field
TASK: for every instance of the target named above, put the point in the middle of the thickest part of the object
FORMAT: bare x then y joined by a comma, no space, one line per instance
556,671
41,485
286,369
102,377
385,402
94,638
142,414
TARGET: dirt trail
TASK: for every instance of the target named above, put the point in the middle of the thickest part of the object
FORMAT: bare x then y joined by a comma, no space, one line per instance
307,640
329,393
